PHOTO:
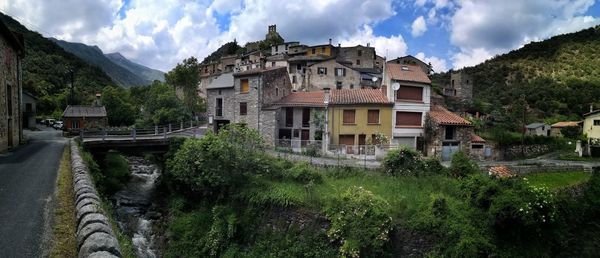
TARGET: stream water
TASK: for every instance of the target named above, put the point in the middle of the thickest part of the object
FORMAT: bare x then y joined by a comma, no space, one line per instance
135,211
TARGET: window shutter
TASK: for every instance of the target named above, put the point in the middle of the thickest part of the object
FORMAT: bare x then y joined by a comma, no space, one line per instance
245,87
349,117
410,93
344,71
373,116
408,118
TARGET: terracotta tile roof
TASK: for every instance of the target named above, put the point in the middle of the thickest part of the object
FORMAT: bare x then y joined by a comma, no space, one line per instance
358,96
501,172
477,139
406,72
566,124
444,117
303,99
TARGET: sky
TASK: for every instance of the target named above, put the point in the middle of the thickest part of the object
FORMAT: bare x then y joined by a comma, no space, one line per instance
449,34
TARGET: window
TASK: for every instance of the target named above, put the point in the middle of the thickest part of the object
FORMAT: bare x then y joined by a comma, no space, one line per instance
28,107
220,92
452,83
74,124
338,85
450,133
276,92
408,118
373,116
298,67
314,51
322,70
359,52
243,108
9,105
277,48
219,107
323,50
340,71
289,117
351,86
410,93
349,116
294,80
357,61
273,63
477,146
306,117
596,122
244,86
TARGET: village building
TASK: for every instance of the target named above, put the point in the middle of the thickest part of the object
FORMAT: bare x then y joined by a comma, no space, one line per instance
358,117
283,48
246,98
460,87
556,128
359,56
409,87
76,118
448,133
297,125
11,54
411,60
591,128
537,129
332,72
29,110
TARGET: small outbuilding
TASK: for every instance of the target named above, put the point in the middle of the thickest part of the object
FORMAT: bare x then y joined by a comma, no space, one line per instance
539,129
76,118
556,128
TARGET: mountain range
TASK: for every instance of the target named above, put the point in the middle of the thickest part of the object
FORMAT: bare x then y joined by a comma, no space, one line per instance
123,71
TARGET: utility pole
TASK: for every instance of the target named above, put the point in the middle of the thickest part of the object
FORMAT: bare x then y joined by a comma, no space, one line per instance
524,102
70,72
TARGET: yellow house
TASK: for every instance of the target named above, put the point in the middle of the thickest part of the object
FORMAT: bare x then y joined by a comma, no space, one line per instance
356,116
591,124
322,50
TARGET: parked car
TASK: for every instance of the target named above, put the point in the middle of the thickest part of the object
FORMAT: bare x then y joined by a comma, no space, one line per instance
58,125
49,121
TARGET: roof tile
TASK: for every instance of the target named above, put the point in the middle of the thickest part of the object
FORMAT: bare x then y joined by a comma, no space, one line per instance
444,117
406,72
303,99
84,111
566,124
358,96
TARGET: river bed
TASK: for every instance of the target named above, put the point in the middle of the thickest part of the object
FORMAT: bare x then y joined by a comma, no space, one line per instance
135,211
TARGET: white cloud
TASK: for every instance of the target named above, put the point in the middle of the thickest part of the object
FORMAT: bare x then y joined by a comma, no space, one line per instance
392,46
418,27
438,64
486,28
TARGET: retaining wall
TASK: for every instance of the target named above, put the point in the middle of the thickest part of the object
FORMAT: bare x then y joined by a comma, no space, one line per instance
526,169
95,237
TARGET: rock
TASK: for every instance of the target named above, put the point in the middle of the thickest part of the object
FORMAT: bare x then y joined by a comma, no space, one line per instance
98,242
102,254
87,210
90,229
153,215
92,218
87,201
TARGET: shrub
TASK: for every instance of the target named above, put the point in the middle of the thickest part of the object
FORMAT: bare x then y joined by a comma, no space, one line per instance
116,173
462,165
359,221
571,132
302,172
433,166
403,162
480,189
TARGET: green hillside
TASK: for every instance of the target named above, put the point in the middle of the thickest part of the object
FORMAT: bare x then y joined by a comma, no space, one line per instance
558,77
45,71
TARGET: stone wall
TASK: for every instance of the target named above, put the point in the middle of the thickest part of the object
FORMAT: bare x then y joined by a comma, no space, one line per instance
535,168
366,57
95,237
523,151
10,78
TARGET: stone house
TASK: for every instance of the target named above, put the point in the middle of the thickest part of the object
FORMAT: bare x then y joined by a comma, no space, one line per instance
539,129
460,87
277,60
356,116
11,54
295,121
298,70
447,133
29,110
246,97
359,56
76,118
250,61
555,129
411,60
412,101
332,72
283,48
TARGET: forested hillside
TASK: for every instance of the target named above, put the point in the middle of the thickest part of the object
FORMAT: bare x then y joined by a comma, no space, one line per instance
45,71
559,78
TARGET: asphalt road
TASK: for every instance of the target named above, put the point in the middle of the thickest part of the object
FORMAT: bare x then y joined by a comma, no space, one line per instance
27,182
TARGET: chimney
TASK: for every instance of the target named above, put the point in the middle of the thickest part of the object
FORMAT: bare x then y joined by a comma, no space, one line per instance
339,44
98,101
329,41
326,96
368,44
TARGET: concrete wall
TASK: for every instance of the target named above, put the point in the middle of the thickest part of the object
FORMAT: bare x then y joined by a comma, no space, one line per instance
337,127
10,74
95,237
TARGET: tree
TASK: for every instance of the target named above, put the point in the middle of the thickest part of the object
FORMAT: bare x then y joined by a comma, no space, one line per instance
162,105
186,76
119,106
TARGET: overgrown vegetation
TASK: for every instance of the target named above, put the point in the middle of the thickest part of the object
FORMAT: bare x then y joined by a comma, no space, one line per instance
64,242
280,208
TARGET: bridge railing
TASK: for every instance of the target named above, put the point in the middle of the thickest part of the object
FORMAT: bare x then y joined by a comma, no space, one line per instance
157,131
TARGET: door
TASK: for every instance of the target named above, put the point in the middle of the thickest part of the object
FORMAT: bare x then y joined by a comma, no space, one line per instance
348,141
305,137
9,112
448,149
362,141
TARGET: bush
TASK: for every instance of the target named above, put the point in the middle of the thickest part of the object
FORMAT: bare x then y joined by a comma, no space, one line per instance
433,166
403,162
116,173
462,165
480,189
359,222
302,172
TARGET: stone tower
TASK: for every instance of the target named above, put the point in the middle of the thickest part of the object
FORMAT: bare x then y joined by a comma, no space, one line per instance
461,86
272,35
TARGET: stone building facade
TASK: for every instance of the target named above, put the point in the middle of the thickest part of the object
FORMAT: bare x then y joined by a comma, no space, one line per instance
461,86
332,74
248,99
11,53
447,133
359,56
